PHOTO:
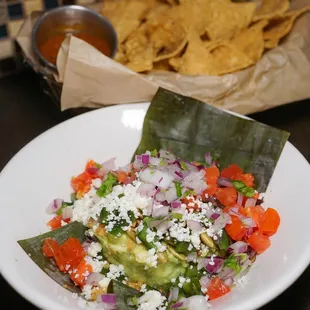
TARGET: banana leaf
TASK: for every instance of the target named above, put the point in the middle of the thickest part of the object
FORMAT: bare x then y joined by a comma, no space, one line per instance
190,128
33,247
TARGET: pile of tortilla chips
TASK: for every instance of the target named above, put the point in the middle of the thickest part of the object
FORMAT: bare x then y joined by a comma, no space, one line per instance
197,37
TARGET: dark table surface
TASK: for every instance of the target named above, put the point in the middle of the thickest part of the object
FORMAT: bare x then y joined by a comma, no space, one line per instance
26,112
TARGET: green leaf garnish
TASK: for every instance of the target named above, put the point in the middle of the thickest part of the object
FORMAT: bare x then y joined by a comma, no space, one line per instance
33,247
190,128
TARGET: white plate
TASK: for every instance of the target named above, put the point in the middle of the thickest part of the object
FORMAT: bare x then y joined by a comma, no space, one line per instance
41,171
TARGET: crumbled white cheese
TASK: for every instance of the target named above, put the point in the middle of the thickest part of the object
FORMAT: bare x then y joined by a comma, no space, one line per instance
104,283
87,291
152,300
94,249
63,223
115,271
151,259
96,264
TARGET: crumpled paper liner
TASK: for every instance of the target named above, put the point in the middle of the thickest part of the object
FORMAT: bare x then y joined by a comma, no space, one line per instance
91,79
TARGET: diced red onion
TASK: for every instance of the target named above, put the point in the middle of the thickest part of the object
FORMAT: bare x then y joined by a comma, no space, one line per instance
164,226
108,298
204,281
249,231
238,247
229,281
194,181
174,294
221,181
221,221
169,156
156,177
197,302
239,199
154,161
214,216
212,200
250,202
160,196
162,211
183,303
249,222
194,225
191,167
225,273
171,194
54,206
107,166
94,278
86,245
213,266
67,213
147,190
176,204
179,174
145,158
208,158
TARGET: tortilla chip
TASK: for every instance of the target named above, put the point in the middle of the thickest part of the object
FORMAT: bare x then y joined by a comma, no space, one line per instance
191,14
250,41
125,16
225,19
280,26
120,55
139,51
196,59
162,65
227,59
271,8
167,35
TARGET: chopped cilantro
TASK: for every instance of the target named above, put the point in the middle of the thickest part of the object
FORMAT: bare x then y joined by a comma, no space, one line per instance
154,153
224,242
98,165
178,188
243,189
63,206
183,165
189,192
233,263
107,186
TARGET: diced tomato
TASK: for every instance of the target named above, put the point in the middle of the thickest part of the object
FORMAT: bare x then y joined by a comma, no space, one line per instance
212,174
55,222
190,203
242,211
122,176
217,288
50,247
257,213
259,242
81,272
231,171
211,189
227,196
246,178
236,229
69,255
90,164
270,223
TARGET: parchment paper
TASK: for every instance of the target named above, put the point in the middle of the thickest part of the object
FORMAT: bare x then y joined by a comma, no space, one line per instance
91,79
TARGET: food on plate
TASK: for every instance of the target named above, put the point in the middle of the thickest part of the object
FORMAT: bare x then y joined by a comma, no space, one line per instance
179,233
166,231
197,37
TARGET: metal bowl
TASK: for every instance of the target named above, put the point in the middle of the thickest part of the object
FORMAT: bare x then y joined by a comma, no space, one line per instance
71,19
